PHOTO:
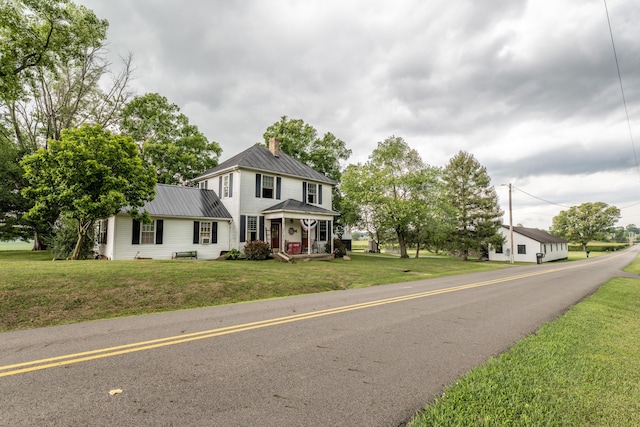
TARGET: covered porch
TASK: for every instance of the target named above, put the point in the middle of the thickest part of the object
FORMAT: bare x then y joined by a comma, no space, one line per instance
299,229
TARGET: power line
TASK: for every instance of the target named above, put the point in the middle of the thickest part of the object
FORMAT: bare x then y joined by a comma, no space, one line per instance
624,100
536,197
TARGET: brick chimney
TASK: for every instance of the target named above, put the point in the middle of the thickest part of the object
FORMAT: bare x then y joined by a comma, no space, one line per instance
274,147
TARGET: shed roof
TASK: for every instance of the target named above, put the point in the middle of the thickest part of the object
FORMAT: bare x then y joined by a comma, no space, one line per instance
258,157
537,235
185,202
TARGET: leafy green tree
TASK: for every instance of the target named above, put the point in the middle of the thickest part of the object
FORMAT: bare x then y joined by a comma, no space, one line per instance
49,73
476,212
12,204
584,223
39,34
392,190
176,149
300,140
433,226
89,174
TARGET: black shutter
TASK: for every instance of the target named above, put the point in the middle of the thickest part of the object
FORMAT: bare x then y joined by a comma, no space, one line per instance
159,227
231,185
319,194
243,228
278,187
261,231
214,232
304,192
220,187
135,235
196,232
258,184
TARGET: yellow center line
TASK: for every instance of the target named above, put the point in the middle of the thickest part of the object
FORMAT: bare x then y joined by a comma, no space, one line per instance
68,359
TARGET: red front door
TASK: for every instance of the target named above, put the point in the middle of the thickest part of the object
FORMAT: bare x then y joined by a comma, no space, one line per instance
275,235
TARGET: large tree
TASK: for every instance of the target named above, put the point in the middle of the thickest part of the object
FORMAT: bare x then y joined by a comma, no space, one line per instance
584,223
300,140
477,215
50,65
172,146
393,190
88,174
12,204
40,34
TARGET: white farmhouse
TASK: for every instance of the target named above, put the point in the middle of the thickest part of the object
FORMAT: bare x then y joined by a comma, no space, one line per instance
527,243
258,194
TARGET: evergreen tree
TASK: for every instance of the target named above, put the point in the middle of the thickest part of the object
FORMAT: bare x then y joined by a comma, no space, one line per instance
477,215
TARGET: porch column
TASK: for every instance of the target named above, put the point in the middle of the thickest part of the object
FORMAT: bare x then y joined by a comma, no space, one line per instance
282,234
330,225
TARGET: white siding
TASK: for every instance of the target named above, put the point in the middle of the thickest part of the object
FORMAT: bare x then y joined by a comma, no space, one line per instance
106,249
177,237
245,202
559,250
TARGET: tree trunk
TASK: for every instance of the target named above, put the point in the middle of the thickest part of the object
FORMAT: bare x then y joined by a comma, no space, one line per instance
38,245
402,242
76,250
83,229
418,250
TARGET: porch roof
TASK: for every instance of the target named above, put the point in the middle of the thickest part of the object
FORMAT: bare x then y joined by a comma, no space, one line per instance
299,209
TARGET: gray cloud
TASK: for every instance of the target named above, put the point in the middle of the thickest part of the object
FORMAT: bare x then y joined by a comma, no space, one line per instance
530,88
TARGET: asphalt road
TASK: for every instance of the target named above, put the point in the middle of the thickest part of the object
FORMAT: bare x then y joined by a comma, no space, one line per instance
364,357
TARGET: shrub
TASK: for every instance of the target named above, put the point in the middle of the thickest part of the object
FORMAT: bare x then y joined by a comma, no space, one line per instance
65,237
257,250
233,254
339,249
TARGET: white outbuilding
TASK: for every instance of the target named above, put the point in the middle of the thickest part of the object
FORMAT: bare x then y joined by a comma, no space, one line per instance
528,245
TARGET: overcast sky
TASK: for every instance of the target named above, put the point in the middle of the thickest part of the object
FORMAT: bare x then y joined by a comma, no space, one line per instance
530,88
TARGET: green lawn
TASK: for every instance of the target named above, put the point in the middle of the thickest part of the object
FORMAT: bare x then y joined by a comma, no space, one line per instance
36,291
16,246
580,370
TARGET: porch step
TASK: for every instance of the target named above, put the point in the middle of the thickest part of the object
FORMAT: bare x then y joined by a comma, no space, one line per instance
284,257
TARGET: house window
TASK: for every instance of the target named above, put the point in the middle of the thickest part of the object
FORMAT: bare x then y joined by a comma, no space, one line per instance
322,226
225,186
499,249
522,249
252,228
102,231
205,233
312,193
204,184
267,187
147,233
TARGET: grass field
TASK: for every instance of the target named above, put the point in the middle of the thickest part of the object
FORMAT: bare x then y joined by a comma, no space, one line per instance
580,370
16,246
35,291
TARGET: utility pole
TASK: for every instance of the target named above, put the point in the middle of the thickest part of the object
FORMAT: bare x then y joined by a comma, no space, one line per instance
511,223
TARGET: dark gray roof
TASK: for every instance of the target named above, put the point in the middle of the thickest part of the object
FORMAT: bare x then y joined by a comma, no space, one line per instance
537,235
185,202
260,158
291,205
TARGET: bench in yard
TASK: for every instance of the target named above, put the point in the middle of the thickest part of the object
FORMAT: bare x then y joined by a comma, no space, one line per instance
185,254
